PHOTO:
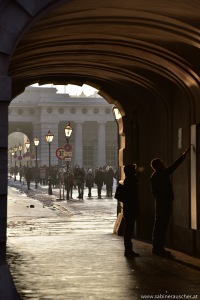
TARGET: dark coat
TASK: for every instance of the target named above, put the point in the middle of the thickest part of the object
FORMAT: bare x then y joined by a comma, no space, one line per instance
89,180
109,175
99,177
160,181
29,175
131,204
79,176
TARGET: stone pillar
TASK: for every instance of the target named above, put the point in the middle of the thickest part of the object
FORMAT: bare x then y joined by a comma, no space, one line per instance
78,148
5,98
127,155
101,145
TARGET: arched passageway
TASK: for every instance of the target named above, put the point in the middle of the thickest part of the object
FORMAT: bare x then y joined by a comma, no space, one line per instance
141,56
94,138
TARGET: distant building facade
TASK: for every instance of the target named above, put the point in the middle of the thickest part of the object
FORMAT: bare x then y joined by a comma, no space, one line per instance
94,137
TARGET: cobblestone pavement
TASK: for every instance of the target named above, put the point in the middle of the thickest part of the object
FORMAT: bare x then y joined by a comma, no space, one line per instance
67,250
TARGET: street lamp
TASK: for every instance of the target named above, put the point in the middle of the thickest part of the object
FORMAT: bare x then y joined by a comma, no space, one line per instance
27,145
49,138
36,143
15,156
20,164
68,131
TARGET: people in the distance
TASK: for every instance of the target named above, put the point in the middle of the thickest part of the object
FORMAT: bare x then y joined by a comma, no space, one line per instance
29,177
109,179
130,207
89,181
99,180
163,193
79,177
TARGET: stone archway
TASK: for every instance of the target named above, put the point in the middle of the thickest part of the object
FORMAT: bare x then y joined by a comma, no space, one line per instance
143,56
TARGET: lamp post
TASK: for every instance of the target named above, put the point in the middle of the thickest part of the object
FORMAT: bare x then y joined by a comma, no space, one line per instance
27,144
20,164
117,116
10,150
68,132
13,153
49,138
15,156
36,143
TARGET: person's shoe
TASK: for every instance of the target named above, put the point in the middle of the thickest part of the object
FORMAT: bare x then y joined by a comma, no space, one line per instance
161,252
131,254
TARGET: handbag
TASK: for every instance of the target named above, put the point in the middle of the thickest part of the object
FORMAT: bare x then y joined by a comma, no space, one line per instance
120,193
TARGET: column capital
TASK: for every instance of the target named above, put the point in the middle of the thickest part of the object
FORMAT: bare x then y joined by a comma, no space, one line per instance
5,88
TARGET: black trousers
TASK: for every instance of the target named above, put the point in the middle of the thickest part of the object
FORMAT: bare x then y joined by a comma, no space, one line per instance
89,191
128,232
99,188
80,190
162,217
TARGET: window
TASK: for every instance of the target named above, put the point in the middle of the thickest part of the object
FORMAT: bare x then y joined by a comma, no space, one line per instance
111,144
111,155
88,156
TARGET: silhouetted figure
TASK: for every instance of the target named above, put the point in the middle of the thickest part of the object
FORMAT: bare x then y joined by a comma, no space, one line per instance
99,180
163,193
28,177
69,181
79,176
130,207
109,177
89,182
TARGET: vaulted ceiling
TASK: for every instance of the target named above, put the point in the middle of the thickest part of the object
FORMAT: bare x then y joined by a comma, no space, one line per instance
120,47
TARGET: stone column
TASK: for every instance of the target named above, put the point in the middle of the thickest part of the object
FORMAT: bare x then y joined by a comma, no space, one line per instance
5,98
78,148
101,145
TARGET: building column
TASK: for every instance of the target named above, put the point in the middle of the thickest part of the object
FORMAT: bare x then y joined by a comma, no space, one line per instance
78,147
5,99
101,145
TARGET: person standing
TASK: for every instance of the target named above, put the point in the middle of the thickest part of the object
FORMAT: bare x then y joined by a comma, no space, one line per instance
28,176
79,177
130,207
99,180
109,177
163,193
89,182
